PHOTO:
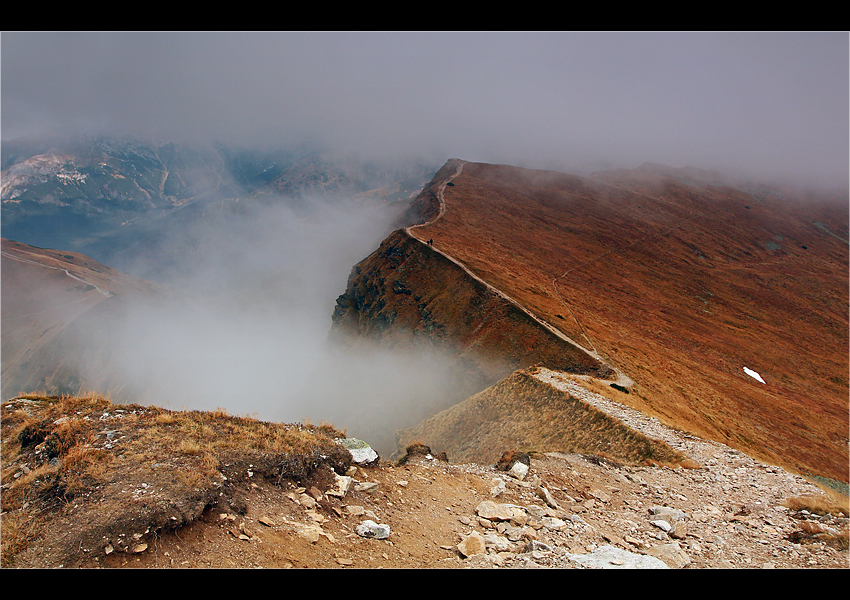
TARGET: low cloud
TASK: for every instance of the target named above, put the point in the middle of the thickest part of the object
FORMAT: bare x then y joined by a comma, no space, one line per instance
250,332
770,104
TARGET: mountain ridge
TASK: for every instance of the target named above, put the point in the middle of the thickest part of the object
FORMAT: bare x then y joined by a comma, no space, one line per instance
579,500
56,304
740,264
612,237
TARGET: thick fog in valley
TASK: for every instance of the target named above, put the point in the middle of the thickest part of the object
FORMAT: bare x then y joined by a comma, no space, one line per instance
249,329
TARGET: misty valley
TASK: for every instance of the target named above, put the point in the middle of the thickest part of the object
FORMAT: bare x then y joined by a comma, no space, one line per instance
245,257
307,286
365,299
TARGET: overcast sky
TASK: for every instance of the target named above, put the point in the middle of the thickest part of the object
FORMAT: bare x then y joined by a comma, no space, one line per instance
771,104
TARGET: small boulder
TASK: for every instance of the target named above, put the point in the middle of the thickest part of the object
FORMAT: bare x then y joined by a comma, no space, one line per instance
472,544
670,520
518,470
497,542
365,486
372,530
608,557
493,511
361,452
547,497
342,485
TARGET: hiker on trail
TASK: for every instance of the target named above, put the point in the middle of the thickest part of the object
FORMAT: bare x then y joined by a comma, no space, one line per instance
431,242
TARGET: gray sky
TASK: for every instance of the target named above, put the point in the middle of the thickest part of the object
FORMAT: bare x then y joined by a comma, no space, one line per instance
770,104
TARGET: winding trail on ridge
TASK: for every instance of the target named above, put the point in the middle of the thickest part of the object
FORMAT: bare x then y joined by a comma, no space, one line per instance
622,379
68,273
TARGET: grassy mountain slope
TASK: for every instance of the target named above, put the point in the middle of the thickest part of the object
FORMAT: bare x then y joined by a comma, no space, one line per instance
61,313
680,281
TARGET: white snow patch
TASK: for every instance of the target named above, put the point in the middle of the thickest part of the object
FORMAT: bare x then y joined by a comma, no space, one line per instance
753,374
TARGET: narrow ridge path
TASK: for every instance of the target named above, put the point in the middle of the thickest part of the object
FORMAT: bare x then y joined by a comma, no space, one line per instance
622,379
68,273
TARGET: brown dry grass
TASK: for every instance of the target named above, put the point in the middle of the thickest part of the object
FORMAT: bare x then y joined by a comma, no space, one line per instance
835,505
19,530
62,453
673,285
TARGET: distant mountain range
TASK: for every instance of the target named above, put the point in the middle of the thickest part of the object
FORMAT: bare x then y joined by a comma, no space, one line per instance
100,196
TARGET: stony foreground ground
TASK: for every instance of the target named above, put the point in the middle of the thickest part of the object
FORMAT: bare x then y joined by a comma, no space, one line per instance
566,511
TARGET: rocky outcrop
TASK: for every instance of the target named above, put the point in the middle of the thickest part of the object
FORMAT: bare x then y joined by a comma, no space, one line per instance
407,295
572,512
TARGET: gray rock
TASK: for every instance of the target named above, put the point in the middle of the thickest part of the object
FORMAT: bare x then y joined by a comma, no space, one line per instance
672,555
609,557
370,529
544,494
671,515
661,524
518,470
513,533
361,452
365,486
553,523
670,520
343,484
497,542
537,546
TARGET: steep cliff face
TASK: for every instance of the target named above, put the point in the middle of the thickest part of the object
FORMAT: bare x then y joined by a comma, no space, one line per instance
406,295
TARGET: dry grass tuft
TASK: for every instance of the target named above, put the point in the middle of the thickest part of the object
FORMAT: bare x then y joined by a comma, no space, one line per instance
19,529
819,505
62,447
165,418
190,447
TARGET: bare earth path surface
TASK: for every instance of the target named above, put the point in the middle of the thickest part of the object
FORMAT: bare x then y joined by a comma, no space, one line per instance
570,511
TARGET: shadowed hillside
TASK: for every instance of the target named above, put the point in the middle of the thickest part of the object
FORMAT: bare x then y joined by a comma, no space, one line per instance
61,317
405,294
